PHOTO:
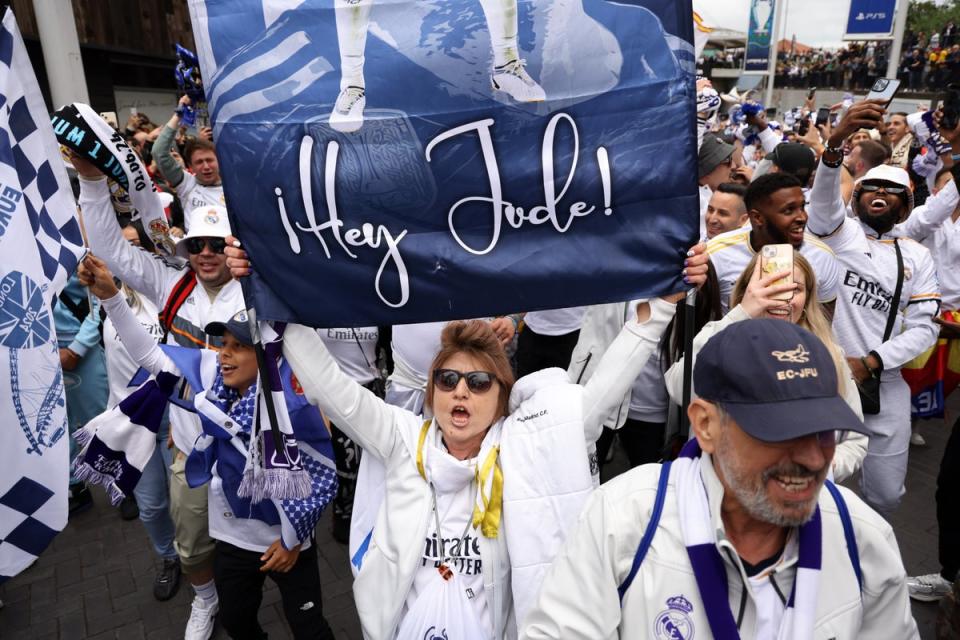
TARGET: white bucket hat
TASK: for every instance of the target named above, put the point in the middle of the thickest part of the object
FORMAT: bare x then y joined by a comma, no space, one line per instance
885,173
204,222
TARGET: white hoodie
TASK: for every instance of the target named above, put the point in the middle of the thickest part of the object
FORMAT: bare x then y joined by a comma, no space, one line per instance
542,456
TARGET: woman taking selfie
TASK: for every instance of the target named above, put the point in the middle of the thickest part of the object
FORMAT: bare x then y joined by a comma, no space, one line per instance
754,296
479,497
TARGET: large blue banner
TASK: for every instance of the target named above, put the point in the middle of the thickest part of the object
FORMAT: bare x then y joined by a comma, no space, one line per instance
870,19
759,36
394,162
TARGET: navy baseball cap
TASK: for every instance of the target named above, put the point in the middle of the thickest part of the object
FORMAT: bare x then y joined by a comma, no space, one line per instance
775,378
238,327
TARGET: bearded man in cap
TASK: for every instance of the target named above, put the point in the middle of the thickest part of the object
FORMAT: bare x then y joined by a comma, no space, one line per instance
742,536
888,298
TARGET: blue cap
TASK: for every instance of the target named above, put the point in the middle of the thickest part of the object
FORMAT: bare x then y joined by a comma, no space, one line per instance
775,379
238,327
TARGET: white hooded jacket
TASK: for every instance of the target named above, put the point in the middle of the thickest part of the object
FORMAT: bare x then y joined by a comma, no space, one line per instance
542,456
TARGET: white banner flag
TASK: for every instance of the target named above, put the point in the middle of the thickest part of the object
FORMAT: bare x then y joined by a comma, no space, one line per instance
40,244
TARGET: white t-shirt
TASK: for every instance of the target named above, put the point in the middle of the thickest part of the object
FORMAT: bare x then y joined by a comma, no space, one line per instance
415,345
555,322
192,194
731,252
355,350
461,549
120,366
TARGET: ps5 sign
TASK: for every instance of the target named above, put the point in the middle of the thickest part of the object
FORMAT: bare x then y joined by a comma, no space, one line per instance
870,19
394,162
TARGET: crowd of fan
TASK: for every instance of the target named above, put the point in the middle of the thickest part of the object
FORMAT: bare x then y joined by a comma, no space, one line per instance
928,63
853,177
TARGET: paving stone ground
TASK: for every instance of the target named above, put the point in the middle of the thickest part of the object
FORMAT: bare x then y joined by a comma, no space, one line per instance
95,581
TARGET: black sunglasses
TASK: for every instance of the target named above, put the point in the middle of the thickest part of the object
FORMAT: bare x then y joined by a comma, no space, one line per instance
196,245
894,191
477,381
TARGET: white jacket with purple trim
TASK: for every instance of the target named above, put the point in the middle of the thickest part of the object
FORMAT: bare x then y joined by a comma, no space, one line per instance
579,599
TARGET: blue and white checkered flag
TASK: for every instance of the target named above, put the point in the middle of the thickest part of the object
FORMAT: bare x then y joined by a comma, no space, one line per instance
40,244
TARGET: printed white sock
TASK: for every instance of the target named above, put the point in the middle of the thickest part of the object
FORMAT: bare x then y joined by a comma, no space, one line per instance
501,18
206,591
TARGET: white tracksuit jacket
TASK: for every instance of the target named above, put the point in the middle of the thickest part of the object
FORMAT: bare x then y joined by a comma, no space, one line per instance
869,281
870,278
154,277
542,456
579,599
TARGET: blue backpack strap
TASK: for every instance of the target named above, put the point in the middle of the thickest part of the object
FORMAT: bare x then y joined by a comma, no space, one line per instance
647,538
847,531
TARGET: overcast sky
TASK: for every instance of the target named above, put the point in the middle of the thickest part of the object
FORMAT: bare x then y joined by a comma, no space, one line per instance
816,22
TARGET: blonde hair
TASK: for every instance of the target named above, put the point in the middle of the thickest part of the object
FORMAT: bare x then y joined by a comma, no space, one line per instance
812,318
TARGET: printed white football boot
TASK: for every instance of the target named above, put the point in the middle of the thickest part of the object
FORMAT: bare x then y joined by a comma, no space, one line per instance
347,114
514,80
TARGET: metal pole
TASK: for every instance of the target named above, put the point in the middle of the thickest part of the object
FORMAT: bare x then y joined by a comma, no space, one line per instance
779,16
689,329
61,52
899,29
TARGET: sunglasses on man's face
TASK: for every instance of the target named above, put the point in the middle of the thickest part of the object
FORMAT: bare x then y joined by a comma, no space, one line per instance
477,381
892,190
196,245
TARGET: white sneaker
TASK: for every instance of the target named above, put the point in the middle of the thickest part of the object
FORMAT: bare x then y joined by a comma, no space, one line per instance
347,114
928,588
917,440
202,619
514,80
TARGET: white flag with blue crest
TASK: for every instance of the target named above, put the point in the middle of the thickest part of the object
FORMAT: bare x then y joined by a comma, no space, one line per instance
40,244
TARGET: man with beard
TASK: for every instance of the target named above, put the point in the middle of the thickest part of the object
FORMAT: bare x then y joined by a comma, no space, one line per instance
777,210
741,536
878,332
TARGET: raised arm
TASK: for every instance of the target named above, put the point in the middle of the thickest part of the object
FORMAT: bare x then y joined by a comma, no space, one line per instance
827,209
621,363
925,220
146,272
141,346
625,358
365,418
169,167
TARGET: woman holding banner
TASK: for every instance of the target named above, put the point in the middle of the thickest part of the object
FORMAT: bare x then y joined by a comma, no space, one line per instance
477,498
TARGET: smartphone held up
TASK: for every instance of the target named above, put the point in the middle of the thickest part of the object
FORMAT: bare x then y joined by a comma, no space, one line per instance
775,258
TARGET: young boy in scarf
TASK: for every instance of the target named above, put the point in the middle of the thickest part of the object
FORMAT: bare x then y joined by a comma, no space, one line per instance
254,538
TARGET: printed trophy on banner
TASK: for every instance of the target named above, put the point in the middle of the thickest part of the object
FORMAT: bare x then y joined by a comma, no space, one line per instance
762,10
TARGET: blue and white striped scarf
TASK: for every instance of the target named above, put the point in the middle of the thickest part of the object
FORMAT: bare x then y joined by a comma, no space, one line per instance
700,539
